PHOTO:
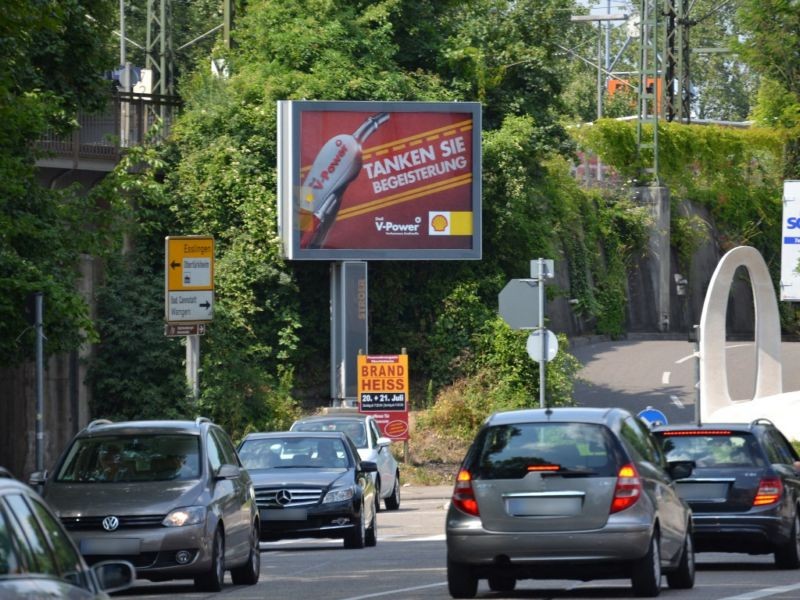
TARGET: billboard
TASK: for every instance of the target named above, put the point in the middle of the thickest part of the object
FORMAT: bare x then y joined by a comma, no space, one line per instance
790,242
379,180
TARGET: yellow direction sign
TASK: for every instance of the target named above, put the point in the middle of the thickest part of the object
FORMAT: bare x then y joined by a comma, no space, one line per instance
189,278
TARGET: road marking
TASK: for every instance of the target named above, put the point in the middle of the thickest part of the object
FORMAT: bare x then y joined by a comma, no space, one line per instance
763,593
676,401
696,354
400,591
665,377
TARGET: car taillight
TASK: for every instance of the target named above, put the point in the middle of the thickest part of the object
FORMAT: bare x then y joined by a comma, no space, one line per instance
463,494
770,490
627,490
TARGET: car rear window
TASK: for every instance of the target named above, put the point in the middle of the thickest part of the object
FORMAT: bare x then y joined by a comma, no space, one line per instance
355,430
712,449
122,458
570,449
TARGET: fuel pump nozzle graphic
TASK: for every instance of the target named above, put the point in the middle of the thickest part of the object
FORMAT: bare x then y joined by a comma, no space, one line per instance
336,165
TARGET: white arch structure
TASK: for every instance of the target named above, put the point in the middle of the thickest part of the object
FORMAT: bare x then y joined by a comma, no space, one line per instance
768,400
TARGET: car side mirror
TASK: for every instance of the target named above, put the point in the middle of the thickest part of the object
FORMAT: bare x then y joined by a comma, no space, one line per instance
367,466
680,469
114,576
384,441
37,478
227,472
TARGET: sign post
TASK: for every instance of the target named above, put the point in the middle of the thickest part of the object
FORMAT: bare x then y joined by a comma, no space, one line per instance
522,307
189,295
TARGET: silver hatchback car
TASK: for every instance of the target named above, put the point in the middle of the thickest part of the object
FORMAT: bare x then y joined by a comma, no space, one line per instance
567,493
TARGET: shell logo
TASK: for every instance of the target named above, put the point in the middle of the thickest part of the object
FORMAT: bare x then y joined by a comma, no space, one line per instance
395,428
439,223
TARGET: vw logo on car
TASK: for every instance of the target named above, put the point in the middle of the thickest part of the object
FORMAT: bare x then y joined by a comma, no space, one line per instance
110,523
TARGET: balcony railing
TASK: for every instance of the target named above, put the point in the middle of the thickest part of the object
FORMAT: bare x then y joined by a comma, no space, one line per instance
100,138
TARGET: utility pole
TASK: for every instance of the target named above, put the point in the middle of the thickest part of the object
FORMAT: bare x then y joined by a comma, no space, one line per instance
649,92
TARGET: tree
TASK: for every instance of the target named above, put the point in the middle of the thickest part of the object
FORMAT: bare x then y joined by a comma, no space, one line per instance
771,46
54,57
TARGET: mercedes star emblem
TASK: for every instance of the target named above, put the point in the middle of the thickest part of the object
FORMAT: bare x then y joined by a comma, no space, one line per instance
283,497
110,523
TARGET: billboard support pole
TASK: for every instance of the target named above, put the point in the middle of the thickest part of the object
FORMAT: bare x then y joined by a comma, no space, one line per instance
349,304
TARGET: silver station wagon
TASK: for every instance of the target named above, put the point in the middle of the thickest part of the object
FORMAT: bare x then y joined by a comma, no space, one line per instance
567,493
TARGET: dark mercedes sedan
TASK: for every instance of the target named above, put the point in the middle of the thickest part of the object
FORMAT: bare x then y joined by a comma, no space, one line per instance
744,490
311,484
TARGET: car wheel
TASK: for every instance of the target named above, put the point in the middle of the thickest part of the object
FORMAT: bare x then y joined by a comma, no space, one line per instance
355,537
682,578
646,577
501,583
250,571
461,581
393,501
212,581
787,556
371,535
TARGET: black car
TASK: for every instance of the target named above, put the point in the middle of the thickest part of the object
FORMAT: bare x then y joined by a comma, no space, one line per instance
311,484
37,557
744,490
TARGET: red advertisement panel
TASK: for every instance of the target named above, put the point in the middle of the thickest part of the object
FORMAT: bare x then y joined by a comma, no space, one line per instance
382,180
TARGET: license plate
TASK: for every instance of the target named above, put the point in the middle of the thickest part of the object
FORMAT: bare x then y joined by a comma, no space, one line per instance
709,492
545,506
111,546
284,514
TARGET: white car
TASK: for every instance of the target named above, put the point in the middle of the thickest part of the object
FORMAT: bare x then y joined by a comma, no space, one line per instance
364,432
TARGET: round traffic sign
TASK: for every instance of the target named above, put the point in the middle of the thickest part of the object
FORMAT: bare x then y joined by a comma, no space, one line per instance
652,417
534,345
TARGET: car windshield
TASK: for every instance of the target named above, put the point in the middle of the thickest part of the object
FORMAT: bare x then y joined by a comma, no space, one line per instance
513,451
305,452
124,458
355,430
723,449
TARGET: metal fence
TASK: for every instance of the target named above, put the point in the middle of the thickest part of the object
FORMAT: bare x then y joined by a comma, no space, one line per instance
126,121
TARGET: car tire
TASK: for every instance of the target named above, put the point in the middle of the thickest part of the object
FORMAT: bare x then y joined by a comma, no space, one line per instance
502,583
787,556
354,538
646,575
682,578
250,571
393,500
461,581
212,581
371,534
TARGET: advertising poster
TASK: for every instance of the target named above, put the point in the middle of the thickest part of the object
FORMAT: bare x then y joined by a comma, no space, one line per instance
383,392
372,180
790,242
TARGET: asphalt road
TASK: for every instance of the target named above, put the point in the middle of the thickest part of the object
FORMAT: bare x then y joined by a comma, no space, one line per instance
409,561
409,564
635,374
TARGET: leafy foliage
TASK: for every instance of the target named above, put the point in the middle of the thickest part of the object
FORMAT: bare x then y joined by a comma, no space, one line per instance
45,234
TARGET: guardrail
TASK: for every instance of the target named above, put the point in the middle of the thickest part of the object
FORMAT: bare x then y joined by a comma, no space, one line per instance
102,137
